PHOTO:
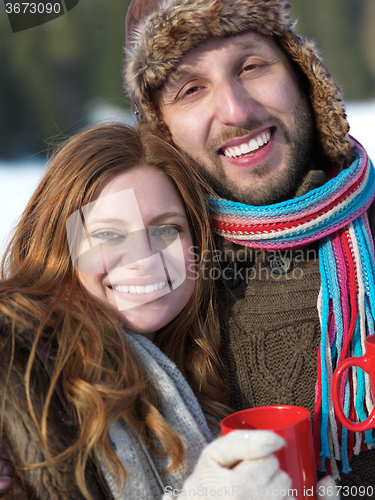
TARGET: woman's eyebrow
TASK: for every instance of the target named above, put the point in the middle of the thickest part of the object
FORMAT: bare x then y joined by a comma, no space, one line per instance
167,215
97,224
121,222
105,220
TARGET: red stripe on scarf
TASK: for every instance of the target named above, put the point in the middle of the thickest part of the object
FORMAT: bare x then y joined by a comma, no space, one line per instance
259,227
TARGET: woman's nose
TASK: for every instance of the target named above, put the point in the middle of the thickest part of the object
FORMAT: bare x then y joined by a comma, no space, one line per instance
138,254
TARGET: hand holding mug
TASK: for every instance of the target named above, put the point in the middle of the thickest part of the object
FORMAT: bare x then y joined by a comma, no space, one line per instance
293,424
239,466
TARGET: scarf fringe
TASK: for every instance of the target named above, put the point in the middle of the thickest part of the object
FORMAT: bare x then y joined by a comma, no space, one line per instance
347,307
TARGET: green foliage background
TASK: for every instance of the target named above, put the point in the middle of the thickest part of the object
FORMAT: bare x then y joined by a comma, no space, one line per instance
52,75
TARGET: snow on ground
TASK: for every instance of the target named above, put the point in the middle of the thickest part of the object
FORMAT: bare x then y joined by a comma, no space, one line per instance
18,179
361,117
17,182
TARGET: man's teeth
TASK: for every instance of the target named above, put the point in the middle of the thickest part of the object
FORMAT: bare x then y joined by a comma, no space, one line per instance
248,147
140,289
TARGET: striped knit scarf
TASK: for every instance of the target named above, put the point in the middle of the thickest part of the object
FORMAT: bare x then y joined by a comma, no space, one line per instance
334,214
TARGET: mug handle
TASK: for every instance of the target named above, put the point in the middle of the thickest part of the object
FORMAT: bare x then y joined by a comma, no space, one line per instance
364,363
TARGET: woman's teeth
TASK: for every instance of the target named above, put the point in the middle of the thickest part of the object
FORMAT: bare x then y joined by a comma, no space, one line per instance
140,289
248,147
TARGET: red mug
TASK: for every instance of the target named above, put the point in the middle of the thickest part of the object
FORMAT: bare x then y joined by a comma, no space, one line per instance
367,363
293,423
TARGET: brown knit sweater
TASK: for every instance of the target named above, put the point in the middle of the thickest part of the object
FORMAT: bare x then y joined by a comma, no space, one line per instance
271,331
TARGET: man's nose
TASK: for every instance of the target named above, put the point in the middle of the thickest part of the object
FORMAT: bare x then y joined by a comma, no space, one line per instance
233,105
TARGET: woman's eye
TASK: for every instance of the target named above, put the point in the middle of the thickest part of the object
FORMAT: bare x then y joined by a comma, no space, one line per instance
107,236
165,232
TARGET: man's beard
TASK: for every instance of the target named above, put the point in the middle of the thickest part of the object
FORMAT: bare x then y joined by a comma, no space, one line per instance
276,187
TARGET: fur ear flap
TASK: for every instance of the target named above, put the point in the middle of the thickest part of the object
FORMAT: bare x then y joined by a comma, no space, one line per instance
161,32
325,97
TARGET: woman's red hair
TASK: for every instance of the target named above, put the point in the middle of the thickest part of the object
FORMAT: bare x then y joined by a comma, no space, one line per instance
40,294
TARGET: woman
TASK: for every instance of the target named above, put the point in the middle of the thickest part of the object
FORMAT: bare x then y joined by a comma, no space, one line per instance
111,240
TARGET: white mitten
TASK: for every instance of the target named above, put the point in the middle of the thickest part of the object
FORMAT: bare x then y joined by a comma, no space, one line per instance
237,466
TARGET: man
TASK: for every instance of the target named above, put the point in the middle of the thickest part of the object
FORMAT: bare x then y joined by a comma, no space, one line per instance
247,98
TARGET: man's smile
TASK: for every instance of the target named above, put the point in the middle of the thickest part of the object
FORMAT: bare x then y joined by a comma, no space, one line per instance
248,146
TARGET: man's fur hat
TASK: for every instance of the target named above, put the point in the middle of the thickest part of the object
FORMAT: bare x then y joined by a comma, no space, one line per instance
160,32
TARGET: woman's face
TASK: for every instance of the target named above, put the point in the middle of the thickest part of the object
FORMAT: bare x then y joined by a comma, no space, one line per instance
134,255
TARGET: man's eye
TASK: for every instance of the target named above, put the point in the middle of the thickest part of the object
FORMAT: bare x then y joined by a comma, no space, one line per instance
192,90
188,91
250,67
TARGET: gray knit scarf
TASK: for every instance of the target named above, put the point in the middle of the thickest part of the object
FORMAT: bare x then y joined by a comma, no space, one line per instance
180,408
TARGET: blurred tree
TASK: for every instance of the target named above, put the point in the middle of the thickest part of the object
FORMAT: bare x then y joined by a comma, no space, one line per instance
344,32
50,72
368,37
